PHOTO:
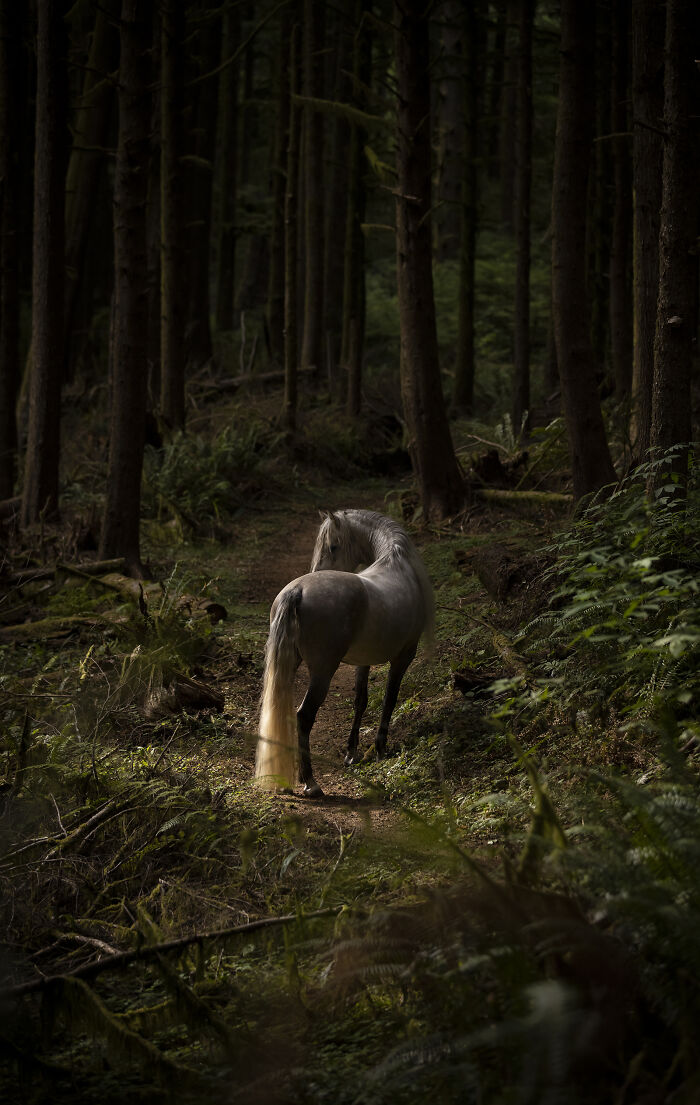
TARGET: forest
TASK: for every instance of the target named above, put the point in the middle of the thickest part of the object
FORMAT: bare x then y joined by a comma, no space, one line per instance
425,268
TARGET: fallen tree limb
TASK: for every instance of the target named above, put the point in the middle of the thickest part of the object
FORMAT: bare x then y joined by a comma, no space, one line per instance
538,498
152,951
56,626
88,568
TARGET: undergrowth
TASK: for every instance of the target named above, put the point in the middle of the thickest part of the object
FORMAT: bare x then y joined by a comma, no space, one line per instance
521,931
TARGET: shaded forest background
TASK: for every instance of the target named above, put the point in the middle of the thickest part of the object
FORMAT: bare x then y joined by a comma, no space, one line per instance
434,205
435,260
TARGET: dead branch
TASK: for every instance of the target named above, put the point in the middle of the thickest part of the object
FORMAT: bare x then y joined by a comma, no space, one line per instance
153,951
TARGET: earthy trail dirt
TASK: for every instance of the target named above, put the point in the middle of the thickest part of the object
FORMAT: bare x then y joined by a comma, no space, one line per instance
345,802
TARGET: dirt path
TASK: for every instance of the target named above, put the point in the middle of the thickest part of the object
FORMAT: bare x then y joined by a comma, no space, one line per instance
345,801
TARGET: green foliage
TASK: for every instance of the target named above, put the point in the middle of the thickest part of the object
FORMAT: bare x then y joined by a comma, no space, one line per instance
202,480
626,600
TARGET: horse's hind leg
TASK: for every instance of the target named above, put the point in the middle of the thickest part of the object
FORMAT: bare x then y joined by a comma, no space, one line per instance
361,678
397,670
306,716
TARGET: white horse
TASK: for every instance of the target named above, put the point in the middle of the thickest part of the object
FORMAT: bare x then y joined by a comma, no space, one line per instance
332,616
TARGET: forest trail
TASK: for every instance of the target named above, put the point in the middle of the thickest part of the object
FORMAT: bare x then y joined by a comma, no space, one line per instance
345,803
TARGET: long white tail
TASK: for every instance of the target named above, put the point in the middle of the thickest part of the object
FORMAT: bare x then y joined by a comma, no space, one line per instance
277,754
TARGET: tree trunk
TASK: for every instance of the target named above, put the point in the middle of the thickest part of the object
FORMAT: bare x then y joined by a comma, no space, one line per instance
338,189
275,286
312,341
451,128
463,388
620,291
353,324
590,458
199,201
120,525
507,129
153,230
599,197
226,171
40,491
91,132
523,182
290,244
495,91
441,485
10,47
676,320
647,154
172,215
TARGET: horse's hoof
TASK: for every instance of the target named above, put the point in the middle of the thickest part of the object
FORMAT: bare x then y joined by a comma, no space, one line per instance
312,790
352,758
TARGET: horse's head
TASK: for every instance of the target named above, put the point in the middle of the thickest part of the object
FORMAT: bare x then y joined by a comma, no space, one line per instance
337,544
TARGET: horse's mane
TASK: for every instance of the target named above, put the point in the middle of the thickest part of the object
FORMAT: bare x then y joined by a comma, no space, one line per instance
377,539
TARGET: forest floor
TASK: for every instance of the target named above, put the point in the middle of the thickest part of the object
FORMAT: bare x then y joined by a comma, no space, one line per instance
125,828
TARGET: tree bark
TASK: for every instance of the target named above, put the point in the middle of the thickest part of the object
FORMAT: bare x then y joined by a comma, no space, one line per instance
10,46
507,128
463,388
120,525
647,154
172,216
353,324
290,243
91,129
521,213
199,198
338,132
590,457
599,196
312,341
451,129
226,170
275,286
620,289
676,319
40,491
434,462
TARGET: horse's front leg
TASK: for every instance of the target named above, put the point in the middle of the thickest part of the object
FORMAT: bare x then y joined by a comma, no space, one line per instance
361,678
306,716
397,670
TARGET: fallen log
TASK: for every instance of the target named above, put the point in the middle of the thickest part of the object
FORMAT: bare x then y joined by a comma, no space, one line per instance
143,593
61,626
536,498
88,568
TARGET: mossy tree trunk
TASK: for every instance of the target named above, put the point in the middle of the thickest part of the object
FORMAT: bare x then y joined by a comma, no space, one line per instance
430,445
11,26
91,133
521,213
590,457
647,154
621,229
312,67
463,388
226,169
276,283
40,490
120,524
353,322
291,243
172,215
676,315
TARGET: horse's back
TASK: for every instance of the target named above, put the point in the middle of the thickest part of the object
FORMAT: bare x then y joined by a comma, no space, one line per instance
360,619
